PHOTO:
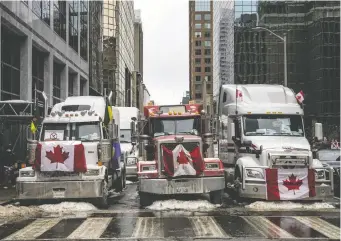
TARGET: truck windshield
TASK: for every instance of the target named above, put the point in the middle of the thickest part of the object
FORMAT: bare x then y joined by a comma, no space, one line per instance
88,131
54,132
125,135
174,126
273,125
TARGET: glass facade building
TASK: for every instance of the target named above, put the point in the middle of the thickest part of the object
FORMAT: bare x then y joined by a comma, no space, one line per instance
312,29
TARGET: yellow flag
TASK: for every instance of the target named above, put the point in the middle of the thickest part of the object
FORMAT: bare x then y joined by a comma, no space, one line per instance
110,112
33,127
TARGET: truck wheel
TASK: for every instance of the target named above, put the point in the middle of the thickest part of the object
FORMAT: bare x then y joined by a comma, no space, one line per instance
216,197
146,199
121,182
103,201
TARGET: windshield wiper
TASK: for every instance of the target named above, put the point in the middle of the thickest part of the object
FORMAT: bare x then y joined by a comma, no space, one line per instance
281,133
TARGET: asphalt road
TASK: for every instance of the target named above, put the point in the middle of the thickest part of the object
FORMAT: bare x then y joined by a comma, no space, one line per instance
124,220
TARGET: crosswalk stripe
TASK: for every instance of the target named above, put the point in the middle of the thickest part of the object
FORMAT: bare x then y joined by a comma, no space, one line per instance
35,229
205,226
148,227
322,226
90,229
267,228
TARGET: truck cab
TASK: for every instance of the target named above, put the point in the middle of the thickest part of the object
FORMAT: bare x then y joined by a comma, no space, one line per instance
177,154
74,157
261,127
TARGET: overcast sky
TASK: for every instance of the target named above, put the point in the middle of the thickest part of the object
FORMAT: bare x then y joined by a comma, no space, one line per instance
165,46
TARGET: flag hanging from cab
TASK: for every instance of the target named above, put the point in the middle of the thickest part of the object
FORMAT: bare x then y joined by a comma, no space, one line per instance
34,122
108,116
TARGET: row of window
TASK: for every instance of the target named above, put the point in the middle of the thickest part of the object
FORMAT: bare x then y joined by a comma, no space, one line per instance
206,52
206,34
198,78
207,60
206,43
198,17
207,69
206,26
198,87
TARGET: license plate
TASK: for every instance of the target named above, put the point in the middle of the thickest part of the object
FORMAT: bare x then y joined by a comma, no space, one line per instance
181,189
58,194
131,162
185,187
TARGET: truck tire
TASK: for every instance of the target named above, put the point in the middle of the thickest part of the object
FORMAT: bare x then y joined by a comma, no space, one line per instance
121,182
216,197
146,199
102,202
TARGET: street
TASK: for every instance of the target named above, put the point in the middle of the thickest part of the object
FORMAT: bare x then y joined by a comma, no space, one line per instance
197,220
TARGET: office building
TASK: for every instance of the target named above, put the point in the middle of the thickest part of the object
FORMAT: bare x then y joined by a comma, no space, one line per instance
201,53
48,46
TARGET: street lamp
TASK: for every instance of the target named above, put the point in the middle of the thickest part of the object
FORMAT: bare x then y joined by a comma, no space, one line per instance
284,39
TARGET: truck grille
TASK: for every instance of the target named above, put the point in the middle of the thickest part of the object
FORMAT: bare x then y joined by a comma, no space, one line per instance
59,174
289,162
189,146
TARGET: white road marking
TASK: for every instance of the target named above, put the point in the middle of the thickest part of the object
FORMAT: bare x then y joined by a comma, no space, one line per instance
148,227
267,228
205,226
91,228
322,226
35,229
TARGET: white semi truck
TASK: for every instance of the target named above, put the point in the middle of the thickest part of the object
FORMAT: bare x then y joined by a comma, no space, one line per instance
77,154
129,117
261,127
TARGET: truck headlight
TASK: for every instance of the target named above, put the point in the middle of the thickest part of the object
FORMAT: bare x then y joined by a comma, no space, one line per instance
30,173
254,174
92,172
320,174
211,166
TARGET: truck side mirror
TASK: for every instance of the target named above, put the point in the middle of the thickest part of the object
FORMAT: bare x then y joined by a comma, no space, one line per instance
318,131
247,143
232,131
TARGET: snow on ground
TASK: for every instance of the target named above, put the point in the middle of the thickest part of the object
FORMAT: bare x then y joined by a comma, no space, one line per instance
13,212
260,205
128,182
181,205
67,207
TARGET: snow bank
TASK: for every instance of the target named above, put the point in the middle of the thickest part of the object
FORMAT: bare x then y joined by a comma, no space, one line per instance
260,205
67,207
10,211
181,205
130,182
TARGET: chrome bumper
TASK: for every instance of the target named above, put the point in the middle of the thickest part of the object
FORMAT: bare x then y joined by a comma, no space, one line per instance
181,186
60,190
131,171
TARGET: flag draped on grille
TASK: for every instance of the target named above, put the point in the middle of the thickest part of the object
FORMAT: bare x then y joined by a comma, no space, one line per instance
66,157
290,184
181,162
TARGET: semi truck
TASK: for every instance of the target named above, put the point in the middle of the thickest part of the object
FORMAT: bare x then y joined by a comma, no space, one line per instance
77,154
129,117
177,154
261,133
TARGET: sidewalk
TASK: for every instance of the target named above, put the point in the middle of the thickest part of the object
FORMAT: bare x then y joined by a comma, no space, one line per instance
6,195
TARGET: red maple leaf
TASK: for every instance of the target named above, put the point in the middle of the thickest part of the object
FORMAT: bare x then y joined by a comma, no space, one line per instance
58,156
182,158
293,183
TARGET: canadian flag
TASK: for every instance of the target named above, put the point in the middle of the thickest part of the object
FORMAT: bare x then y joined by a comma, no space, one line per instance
300,97
290,184
66,157
181,162
239,95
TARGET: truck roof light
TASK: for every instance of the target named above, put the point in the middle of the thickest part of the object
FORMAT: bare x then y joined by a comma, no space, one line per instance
280,112
179,113
71,115
83,112
174,113
53,114
249,112
197,112
96,114
268,112
169,113
99,163
66,115
76,114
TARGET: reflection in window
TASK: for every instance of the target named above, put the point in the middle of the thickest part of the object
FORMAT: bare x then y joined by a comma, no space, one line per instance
73,25
59,18
207,43
42,10
202,6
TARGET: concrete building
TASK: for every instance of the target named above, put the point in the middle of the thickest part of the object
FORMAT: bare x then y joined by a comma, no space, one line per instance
46,46
118,35
200,53
138,88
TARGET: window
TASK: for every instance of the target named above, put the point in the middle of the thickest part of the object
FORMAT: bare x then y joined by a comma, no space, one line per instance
42,10
198,95
207,17
198,26
73,25
208,78
197,78
197,43
207,69
208,87
207,51
207,25
207,35
198,34
37,71
198,52
207,60
197,16
198,87
71,84
197,61
198,69
84,29
173,126
88,131
82,87
57,69
203,5
207,43
224,97
59,18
